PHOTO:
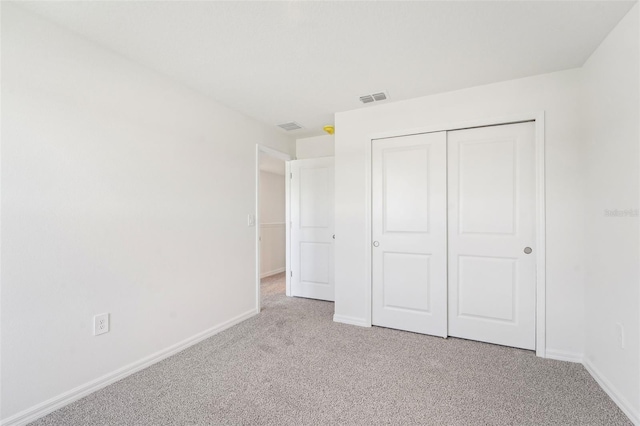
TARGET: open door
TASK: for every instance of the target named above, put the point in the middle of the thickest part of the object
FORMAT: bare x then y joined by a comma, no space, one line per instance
312,233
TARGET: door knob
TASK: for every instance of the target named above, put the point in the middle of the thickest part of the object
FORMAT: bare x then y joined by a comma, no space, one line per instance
527,250
334,236
376,244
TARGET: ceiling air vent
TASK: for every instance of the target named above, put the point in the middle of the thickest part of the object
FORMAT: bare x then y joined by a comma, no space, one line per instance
379,96
375,97
366,99
290,126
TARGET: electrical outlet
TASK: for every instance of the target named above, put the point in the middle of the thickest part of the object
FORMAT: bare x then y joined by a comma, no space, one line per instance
251,220
620,329
100,324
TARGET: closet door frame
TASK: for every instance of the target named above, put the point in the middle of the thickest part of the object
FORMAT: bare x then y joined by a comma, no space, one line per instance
540,221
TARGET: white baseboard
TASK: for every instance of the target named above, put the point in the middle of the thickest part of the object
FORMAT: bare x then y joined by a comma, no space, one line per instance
563,355
613,393
350,320
40,410
275,271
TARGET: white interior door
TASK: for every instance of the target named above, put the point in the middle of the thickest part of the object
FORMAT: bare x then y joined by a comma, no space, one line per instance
312,228
409,222
492,253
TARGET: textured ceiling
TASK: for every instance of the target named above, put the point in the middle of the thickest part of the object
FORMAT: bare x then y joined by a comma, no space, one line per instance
303,61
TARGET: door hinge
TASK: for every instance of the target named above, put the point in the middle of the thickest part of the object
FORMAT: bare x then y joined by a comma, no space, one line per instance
291,273
290,175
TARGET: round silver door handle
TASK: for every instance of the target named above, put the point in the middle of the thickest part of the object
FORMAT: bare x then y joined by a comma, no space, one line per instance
376,244
334,236
527,250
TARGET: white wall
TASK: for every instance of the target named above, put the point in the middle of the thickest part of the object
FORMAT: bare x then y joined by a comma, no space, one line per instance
272,220
613,243
557,95
122,192
272,201
314,147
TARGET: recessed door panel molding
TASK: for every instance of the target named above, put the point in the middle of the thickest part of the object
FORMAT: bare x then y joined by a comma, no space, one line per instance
481,278
409,264
487,178
491,192
406,282
314,262
316,197
312,231
406,207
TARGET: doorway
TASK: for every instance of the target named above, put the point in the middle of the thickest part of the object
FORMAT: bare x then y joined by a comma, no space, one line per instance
272,247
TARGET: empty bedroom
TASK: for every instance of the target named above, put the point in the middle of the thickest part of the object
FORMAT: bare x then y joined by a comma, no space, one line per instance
319,212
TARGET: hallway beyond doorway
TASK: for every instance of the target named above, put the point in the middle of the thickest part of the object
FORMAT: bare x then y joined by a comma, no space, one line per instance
274,284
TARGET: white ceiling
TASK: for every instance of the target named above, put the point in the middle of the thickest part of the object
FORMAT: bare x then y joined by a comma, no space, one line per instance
303,61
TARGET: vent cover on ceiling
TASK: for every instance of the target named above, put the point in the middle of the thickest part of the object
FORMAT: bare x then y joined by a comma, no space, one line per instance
375,97
366,99
290,126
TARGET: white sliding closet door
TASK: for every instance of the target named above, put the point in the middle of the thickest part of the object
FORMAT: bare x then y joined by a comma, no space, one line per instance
409,222
492,253
312,228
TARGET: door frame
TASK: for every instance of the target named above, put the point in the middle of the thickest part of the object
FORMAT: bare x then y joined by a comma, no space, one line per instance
538,118
264,150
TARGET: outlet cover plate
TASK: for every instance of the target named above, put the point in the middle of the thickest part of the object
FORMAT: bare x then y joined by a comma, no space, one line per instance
100,324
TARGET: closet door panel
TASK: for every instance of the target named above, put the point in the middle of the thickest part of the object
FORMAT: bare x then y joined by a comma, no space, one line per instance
409,263
492,255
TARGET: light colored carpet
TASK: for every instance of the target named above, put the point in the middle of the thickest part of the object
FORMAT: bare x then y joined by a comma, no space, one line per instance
291,365
275,284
